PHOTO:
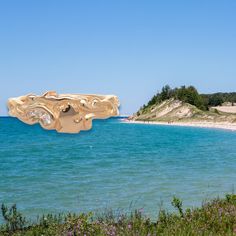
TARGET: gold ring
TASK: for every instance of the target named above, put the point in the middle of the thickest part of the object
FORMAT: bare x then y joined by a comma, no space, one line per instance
66,113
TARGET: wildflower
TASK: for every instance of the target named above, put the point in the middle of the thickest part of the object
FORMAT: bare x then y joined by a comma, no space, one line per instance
69,233
141,210
220,211
129,226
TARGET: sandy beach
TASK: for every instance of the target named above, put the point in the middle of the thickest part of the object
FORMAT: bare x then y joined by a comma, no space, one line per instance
215,125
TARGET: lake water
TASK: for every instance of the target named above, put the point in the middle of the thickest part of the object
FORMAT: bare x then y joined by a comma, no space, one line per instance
115,165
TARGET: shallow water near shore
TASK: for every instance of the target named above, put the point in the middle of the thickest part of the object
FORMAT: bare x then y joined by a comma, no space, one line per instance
114,165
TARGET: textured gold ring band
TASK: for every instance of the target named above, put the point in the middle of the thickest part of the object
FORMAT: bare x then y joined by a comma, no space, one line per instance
67,113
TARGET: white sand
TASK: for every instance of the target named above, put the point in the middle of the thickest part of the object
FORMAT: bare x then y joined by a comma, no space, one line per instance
227,109
222,125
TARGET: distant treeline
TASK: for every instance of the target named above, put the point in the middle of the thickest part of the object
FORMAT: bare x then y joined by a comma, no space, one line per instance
190,95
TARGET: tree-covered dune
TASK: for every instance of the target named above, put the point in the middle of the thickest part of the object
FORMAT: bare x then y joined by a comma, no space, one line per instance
186,104
190,95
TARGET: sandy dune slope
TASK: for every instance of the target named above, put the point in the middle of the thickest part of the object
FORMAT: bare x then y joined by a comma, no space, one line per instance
228,109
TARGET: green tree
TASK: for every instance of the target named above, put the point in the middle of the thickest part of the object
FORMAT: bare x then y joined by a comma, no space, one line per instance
215,100
166,93
190,95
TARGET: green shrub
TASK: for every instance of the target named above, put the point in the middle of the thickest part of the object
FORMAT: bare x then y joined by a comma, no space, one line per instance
13,219
177,203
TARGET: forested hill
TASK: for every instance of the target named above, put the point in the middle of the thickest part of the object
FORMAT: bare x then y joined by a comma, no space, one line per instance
190,95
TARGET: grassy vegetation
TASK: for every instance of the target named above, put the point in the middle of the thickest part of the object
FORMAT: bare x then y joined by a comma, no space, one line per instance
217,217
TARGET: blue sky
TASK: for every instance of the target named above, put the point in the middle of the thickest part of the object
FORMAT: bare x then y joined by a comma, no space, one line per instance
124,47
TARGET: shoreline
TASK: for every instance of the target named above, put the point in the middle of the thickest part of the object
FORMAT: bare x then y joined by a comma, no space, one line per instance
214,125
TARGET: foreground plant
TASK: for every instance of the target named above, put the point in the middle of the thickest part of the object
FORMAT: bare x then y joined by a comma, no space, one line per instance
217,217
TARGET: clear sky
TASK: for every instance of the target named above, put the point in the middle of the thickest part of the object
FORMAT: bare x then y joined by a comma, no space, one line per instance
123,47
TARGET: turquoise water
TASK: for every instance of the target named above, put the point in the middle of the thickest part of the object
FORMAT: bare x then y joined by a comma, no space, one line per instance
115,165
